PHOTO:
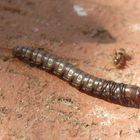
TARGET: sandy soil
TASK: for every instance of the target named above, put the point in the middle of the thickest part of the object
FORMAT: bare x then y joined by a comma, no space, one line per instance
35,105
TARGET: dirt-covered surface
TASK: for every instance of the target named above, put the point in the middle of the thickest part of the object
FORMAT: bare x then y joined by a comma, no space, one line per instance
35,105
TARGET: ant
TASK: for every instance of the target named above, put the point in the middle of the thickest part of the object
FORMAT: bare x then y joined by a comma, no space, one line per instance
120,57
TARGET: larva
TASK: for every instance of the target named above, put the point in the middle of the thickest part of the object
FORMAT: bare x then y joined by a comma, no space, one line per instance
121,93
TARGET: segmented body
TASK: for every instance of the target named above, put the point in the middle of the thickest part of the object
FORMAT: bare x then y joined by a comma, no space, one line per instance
109,90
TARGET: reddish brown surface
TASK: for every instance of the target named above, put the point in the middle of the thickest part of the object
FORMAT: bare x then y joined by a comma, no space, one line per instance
35,105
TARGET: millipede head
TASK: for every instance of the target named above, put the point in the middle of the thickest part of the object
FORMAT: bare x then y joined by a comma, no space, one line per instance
132,93
17,51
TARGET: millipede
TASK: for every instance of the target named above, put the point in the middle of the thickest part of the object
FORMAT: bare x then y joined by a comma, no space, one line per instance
120,93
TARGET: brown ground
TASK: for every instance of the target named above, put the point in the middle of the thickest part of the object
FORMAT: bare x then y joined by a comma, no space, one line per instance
35,105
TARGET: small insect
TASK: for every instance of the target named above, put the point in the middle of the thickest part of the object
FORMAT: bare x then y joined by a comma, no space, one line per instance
121,93
120,57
